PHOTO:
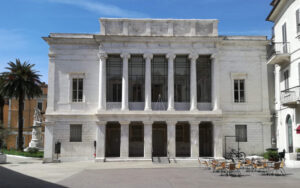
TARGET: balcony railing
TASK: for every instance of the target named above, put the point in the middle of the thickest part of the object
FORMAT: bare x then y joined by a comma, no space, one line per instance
278,48
290,96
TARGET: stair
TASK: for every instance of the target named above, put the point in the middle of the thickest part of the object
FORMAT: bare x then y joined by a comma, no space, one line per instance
160,160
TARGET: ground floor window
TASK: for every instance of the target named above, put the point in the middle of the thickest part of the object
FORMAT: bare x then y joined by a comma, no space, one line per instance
241,133
205,139
112,139
159,139
75,133
136,139
183,144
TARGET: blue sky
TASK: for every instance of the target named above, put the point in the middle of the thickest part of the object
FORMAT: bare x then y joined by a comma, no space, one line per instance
24,22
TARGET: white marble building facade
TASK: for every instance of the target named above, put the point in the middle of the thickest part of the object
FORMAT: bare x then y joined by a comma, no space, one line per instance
284,54
145,87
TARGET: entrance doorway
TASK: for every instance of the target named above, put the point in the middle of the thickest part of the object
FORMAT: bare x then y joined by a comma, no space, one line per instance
183,144
113,133
136,139
159,139
289,124
205,139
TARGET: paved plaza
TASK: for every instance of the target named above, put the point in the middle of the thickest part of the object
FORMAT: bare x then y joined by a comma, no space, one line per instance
27,172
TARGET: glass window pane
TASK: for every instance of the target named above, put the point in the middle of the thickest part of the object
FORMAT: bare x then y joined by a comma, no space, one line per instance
136,75
203,79
182,79
159,78
241,84
242,96
80,84
236,85
74,85
113,77
236,96
75,133
74,96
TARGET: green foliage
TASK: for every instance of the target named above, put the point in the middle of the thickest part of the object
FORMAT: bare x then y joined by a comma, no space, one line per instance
21,82
298,150
38,154
271,155
33,150
3,135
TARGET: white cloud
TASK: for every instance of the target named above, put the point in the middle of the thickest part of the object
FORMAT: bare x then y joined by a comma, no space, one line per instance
100,8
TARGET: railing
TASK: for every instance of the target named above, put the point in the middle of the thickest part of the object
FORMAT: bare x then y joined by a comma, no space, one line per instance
277,48
291,95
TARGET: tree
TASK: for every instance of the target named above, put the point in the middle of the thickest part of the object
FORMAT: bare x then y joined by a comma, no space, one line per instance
20,82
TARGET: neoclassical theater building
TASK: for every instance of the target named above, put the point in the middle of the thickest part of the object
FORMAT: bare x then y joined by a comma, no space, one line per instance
144,88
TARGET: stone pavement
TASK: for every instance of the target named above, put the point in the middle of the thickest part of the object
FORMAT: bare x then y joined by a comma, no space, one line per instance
29,172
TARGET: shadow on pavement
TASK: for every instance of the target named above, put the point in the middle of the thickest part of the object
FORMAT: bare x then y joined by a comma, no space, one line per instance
9,178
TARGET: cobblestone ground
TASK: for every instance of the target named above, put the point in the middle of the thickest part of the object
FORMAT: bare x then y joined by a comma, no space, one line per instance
24,172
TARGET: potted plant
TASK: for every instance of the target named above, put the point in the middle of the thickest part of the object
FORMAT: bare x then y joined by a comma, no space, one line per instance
271,155
298,154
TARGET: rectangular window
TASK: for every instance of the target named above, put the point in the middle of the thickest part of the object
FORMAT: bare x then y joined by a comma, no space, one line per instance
77,90
75,133
241,133
284,38
136,74
159,78
204,79
298,20
182,78
286,79
239,91
114,78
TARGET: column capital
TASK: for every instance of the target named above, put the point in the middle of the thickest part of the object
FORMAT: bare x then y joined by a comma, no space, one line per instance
193,56
102,55
148,56
125,55
171,56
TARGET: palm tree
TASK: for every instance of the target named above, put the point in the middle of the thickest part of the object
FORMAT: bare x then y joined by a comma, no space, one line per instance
20,81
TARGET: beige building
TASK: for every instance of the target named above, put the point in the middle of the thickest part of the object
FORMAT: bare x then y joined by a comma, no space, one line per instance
10,117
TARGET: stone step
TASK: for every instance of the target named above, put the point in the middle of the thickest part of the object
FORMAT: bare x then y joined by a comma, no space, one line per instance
161,160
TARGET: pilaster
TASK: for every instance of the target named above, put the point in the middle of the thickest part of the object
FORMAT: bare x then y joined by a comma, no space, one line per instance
215,83
194,139
124,150
148,139
218,139
125,57
100,141
148,58
171,58
193,82
171,137
102,81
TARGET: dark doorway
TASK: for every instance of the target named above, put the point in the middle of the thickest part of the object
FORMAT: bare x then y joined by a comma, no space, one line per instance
136,139
113,133
205,139
183,144
159,139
